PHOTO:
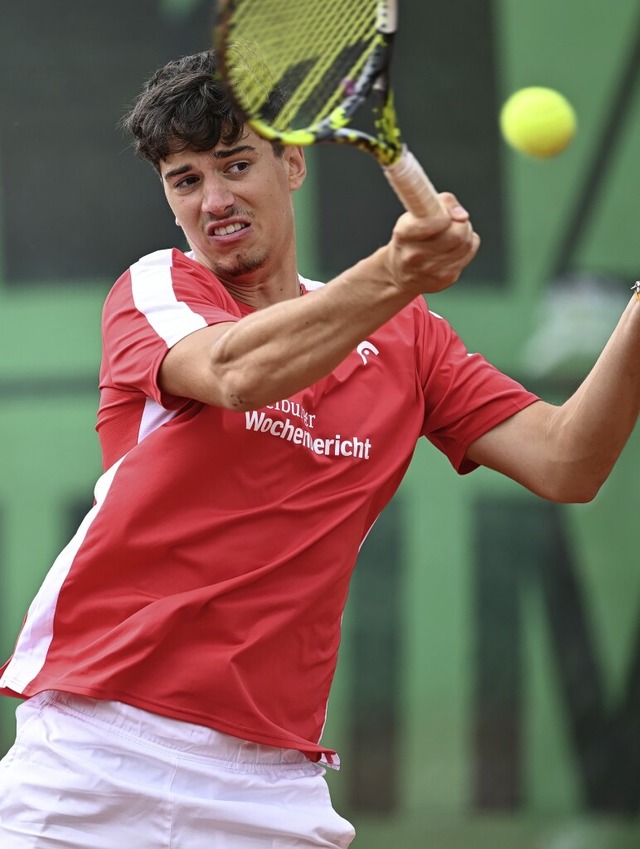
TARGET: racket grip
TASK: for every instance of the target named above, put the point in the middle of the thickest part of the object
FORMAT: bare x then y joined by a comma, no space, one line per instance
412,186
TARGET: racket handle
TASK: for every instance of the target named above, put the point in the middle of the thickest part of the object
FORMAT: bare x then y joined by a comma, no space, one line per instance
412,186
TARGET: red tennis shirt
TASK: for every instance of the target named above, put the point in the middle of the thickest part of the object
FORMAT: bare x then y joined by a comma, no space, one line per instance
208,581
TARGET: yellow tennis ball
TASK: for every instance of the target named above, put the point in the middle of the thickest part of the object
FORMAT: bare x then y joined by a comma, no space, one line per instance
538,121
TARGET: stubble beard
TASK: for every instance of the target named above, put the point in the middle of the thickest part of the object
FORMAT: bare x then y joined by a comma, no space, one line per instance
240,266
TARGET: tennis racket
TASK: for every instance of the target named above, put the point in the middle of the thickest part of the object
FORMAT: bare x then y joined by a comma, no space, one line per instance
298,71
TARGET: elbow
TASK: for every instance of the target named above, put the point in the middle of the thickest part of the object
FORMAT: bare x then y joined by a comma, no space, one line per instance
238,392
233,382
574,487
588,491
241,382
573,495
241,387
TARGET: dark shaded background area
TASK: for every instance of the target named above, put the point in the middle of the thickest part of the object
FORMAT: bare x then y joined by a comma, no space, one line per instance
446,110
76,204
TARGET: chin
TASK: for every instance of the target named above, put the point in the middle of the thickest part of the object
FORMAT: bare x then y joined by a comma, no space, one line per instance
242,267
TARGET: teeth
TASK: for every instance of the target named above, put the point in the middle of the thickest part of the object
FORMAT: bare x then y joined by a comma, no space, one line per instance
226,231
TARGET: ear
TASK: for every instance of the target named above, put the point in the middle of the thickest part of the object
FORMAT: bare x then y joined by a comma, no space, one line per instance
296,165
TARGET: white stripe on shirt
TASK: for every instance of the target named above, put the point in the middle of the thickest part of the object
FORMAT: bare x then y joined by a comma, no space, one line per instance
37,632
154,296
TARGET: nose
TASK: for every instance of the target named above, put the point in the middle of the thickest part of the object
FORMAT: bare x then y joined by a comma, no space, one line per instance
217,198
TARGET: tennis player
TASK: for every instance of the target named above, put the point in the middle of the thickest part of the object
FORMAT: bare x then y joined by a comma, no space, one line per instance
175,665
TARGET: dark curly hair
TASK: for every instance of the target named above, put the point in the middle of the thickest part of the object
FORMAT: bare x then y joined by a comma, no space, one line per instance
183,106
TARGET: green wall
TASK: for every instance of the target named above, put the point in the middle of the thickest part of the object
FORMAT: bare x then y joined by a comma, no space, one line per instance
489,678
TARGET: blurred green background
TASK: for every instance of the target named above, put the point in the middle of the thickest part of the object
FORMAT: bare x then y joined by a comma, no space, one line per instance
488,692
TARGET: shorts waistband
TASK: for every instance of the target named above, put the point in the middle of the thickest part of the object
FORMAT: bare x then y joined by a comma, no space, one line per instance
186,738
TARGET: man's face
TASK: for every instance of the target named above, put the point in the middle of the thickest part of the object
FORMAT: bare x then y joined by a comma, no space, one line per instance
234,205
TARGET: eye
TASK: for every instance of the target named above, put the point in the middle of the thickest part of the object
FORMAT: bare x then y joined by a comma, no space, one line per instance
185,182
237,168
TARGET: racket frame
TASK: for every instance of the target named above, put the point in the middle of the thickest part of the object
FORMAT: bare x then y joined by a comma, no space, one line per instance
403,171
373,82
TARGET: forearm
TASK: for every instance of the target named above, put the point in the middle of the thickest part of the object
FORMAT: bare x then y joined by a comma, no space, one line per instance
291,342
592,427
275,352
565,453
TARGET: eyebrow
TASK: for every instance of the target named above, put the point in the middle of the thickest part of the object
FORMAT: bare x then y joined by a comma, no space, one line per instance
225,153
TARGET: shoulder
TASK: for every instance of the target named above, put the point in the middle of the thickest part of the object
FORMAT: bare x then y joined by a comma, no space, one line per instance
151,265
163,276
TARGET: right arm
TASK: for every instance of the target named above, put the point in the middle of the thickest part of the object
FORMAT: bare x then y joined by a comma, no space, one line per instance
277,351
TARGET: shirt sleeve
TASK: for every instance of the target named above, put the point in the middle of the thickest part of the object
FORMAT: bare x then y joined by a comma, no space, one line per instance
156,303
465,396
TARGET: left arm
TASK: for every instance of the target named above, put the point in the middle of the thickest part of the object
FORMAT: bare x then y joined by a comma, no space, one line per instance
565,453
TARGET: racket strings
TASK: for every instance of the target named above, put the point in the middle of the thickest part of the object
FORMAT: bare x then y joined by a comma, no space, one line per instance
294,63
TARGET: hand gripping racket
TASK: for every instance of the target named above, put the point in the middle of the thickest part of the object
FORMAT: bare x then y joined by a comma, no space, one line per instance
298,70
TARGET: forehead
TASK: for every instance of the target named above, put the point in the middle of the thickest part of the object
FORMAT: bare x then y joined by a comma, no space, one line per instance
248,142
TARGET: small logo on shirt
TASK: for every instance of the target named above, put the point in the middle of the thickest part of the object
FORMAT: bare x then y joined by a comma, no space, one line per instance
367,349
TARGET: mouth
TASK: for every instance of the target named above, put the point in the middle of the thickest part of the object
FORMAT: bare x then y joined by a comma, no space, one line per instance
228,229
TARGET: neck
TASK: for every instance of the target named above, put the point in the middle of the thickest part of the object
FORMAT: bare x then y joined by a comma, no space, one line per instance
260,293
259,287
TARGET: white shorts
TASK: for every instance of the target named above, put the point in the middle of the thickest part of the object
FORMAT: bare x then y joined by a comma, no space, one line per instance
85,774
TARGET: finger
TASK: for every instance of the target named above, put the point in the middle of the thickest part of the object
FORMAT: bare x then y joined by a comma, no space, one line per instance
453,206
